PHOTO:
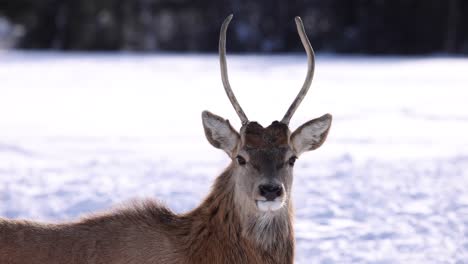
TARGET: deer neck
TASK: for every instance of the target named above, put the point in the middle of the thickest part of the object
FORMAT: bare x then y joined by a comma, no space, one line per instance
225,218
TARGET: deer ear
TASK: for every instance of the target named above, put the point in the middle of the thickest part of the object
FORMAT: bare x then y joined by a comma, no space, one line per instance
220,133
311,135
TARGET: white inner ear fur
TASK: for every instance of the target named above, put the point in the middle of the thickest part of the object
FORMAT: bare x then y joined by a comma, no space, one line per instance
311,135
221,135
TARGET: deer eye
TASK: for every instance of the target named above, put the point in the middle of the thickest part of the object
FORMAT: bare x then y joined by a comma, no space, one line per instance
292,160
241,160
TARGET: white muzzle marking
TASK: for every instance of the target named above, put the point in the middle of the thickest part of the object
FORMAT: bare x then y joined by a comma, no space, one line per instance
269,206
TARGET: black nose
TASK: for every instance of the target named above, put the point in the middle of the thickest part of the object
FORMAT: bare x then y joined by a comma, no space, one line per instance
270,191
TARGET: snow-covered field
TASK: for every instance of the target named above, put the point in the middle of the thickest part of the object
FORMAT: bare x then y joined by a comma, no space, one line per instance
82,133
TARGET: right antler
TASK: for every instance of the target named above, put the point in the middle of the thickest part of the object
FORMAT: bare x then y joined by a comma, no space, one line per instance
224,74
310,71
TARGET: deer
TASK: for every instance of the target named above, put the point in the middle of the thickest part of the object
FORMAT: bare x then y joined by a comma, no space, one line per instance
246,218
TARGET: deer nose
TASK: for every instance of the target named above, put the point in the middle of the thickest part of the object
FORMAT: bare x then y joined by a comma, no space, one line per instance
270,191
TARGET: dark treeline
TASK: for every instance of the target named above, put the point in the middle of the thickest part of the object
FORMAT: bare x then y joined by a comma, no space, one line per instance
348,26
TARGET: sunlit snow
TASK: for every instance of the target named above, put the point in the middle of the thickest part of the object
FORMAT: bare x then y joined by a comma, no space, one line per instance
84,132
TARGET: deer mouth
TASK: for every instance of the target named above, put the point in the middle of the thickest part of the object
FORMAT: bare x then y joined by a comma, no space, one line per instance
269,206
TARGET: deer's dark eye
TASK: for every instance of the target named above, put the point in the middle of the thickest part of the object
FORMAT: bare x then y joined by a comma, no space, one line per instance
292,160
241,160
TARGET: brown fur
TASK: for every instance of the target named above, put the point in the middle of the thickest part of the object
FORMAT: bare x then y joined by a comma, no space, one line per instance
147,233
256,136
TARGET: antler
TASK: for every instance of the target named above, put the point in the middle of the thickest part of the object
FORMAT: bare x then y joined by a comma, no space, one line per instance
224,74
310,71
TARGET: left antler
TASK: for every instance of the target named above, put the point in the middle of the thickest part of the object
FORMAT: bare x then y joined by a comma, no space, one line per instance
310,72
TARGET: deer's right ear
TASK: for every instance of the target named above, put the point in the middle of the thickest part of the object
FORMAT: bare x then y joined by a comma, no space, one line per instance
220,133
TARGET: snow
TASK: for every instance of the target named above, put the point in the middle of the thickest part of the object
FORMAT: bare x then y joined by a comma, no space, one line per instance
81,133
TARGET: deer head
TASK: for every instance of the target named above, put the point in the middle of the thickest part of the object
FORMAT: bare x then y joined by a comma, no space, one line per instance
263,157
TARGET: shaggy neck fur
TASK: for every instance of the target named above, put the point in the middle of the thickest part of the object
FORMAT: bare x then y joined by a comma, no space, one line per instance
231,230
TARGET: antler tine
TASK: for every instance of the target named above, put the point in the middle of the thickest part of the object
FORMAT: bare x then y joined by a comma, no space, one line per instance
224,73
310,71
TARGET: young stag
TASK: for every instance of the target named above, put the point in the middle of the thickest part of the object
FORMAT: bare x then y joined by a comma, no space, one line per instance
247,217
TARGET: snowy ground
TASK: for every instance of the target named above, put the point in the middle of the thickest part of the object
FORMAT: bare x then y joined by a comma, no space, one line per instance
80,133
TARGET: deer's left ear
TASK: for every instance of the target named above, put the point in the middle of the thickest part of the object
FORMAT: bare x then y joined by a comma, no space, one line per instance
312,134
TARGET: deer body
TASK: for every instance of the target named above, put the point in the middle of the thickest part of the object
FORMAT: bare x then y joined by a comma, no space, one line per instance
247,217
148,233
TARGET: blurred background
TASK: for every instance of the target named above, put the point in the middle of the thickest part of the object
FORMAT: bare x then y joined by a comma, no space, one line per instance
100,103
343,26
